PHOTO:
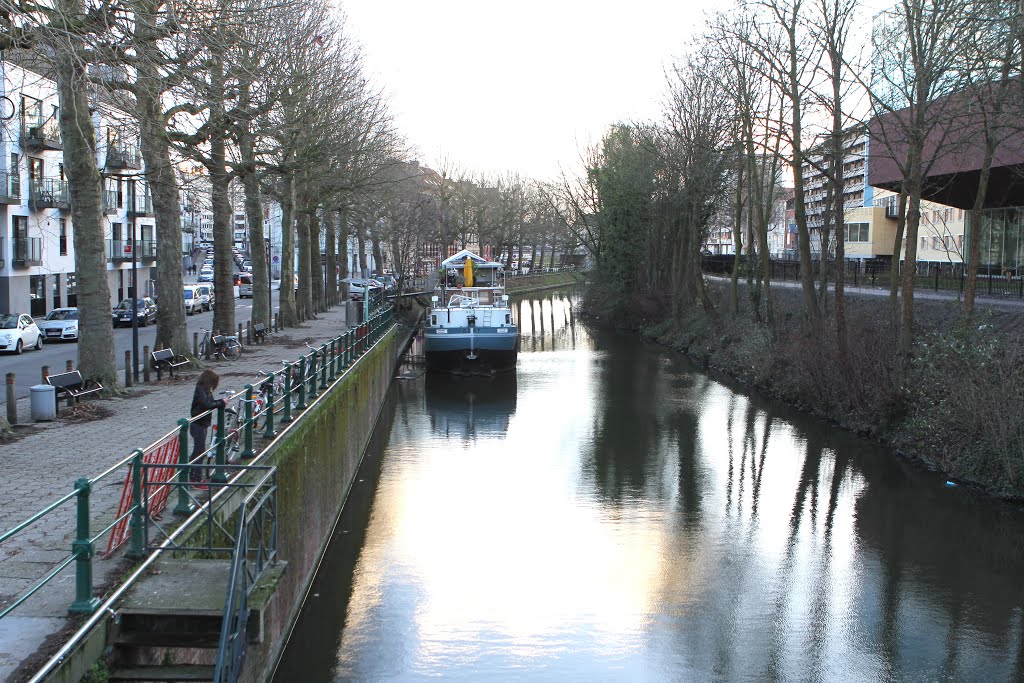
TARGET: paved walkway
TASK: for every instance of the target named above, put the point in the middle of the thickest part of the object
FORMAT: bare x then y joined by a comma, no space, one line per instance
46,459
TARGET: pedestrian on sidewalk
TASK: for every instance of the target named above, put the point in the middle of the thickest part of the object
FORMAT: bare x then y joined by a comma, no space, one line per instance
202,403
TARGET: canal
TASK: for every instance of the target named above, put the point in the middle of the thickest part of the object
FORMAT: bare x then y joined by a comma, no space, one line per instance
613,514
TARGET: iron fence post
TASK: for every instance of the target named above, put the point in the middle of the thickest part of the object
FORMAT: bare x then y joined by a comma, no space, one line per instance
247,451
219,476
334,359
83,549
311,391
301,405
323,368
184,505
137,521
346,351
269,432
286,414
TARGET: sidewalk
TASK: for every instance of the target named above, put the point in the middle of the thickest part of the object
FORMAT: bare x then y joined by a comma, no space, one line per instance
44,461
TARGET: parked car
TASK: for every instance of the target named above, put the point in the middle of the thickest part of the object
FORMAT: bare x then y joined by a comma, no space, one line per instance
207,295
206,274
18,330
245,285
357,287
246,264
192,300
61,324
146,312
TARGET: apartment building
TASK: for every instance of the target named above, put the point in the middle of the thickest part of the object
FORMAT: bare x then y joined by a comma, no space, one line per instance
37,257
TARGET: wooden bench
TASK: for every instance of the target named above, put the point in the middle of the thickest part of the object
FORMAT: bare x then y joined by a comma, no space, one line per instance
72,386
165,359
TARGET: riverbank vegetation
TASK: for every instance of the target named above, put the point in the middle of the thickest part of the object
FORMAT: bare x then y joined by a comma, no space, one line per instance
770,95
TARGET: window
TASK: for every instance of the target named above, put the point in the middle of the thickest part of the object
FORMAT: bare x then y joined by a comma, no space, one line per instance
72,287
119,188
37,295
14,163
936,243
924,243
115,231
31,111
20,226
856,232
35,168
56,290
63,236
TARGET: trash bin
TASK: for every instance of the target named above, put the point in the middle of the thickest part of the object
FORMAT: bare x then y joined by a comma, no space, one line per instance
43,406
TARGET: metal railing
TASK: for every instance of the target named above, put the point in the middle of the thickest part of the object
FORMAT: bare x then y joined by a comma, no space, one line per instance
928,275
27,251
121,155
39,131
48,193
143,203
10,193
278,397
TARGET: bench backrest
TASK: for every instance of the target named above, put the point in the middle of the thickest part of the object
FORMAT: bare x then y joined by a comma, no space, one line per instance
65,379
163,354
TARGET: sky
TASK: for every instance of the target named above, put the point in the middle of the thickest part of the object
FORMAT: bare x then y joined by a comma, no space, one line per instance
489,87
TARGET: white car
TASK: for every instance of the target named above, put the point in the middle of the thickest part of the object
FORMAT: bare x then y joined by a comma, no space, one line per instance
60,325
206,274
357,287
18,331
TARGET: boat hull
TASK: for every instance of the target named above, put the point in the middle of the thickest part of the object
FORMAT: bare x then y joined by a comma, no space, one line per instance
472,351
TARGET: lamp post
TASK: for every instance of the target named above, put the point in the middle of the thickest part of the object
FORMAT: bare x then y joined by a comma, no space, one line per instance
135,281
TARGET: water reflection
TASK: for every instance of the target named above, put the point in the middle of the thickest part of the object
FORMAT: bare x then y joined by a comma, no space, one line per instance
463,407
616,515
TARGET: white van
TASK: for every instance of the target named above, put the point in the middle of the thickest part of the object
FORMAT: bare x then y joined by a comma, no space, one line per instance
193,300
244,285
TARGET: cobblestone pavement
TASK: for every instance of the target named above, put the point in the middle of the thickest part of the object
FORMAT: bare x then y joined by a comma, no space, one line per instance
46,459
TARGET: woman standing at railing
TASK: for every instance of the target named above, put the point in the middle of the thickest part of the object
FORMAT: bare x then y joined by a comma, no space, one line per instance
202,403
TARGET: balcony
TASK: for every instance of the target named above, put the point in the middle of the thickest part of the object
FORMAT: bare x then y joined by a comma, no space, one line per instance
121,250
27,251
48,193
122,156
109,202
10,193
892,207
143,203
40,134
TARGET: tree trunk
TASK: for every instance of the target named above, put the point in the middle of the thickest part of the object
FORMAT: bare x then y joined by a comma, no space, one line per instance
304,298
378,254
96,349
361,239
330,246
261,312
343,251
171,327
316,266
223,235
286,297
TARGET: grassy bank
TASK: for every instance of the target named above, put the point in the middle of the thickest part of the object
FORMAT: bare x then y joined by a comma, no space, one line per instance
532,283
959,410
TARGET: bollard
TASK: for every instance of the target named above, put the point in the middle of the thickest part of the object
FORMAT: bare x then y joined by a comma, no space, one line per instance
69,365
301,405
83,549
323,368
248,333
145,364
286,414
12,402
45,372
269,432
240,333
195,345
127,368
184,505
137,522
219,476
247,451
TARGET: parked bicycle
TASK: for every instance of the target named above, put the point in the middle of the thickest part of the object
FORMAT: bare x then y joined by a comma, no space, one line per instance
219,346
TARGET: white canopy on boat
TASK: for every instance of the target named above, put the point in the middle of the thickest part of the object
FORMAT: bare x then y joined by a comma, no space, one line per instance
459,260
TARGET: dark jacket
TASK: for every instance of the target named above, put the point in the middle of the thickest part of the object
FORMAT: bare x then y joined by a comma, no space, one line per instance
202,401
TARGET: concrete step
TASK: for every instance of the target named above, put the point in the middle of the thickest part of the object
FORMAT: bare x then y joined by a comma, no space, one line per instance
180,639
177,672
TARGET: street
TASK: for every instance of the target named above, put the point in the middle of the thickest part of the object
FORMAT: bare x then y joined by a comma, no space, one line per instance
27,366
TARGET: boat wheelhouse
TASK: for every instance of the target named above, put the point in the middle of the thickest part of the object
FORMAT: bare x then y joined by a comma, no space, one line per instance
470,328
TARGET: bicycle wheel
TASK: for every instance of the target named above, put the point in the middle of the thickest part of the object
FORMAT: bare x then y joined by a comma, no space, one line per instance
202,349
231,350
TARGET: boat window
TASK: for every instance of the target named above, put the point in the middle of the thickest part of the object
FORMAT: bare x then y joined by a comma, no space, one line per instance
433,320
508,318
